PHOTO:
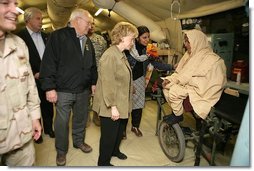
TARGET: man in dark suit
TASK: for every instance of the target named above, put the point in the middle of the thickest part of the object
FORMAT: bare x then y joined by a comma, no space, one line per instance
36,41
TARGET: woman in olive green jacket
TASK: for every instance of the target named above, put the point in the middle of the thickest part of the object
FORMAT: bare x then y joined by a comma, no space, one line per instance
112,99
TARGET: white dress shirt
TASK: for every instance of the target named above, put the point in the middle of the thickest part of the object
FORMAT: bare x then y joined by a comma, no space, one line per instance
38,41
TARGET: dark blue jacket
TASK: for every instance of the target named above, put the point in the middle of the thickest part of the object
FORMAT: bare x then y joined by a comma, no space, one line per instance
63,66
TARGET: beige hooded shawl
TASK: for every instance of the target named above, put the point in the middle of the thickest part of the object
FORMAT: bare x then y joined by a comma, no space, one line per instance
202,74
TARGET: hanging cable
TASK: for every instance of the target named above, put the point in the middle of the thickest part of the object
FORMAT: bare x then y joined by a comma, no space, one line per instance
109,10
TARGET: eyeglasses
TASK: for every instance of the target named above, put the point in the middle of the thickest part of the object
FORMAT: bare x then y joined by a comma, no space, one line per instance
88,22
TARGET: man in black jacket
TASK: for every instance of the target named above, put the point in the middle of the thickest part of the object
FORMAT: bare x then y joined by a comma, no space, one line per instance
68,74
36,41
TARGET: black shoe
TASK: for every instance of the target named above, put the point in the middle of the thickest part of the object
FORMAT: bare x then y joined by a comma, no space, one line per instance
109,164
121,156
137,132
51,134
173,119
39,141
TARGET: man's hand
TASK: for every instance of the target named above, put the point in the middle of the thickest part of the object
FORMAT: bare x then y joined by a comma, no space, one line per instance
51,96
36,76
36,126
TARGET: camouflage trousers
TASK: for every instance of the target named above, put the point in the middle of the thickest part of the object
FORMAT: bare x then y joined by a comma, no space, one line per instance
24,156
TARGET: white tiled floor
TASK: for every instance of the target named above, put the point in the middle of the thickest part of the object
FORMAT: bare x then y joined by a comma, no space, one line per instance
141,151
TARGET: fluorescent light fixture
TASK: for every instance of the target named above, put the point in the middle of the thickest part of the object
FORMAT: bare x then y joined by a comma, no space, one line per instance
44,26
20,10
98,12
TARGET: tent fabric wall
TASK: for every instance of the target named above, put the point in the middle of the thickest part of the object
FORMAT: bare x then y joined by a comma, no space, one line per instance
59,11
133,16
175,36
212,8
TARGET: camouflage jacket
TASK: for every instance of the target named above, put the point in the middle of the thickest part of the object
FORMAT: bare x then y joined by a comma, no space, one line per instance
99,44
19,100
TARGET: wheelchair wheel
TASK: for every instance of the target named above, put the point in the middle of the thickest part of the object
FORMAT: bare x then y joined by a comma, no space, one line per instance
172,141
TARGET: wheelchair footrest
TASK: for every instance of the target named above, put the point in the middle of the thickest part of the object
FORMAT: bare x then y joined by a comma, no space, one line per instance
186,130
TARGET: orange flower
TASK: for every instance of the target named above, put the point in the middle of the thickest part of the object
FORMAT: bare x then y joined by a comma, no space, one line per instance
152,51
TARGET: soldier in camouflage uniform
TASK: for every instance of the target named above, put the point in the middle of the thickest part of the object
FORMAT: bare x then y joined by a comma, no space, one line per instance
100,45
19,100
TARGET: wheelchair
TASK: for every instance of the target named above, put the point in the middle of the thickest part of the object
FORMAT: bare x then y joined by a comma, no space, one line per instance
223,120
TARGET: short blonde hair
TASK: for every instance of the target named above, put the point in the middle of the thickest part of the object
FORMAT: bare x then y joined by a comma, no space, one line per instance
122,29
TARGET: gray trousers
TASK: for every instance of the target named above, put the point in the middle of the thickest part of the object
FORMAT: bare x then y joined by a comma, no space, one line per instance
78,104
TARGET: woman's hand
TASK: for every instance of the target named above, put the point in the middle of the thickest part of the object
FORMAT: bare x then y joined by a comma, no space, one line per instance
133,90
165,82
175,66
93,88
114,113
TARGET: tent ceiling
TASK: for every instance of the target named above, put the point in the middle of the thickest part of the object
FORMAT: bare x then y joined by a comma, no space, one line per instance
57,11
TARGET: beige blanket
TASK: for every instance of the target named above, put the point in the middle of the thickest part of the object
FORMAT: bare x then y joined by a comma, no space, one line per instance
202,74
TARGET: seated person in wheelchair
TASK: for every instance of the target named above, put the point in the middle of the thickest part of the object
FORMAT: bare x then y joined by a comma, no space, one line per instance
200,74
